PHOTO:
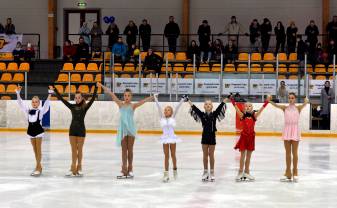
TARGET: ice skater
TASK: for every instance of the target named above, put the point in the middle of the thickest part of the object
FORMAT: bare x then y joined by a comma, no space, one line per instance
77,131
246,142
127,128
291,135
208,120
168,138
35,131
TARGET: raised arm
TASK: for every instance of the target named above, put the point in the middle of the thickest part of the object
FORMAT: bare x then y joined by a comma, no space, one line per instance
113,96
220,110
22,105
158,106
46,104
282,107
300,107
237,109
141,102
178,106
195,112
92,99
59,96
263,107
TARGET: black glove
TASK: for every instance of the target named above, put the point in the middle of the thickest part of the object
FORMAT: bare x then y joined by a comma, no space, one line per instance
186,98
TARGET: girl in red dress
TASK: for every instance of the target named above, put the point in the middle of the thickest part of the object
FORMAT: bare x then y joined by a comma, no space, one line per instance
246,143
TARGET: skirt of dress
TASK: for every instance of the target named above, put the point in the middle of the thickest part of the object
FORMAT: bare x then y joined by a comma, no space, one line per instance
246,142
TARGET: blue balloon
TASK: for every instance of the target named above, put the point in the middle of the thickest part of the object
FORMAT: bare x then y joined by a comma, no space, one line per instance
112,19
106,19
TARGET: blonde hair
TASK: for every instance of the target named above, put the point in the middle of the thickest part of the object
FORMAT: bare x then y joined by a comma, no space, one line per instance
37,98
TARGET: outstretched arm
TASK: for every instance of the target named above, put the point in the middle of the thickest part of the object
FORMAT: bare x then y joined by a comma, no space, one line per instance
195,112
300,107
46,104
237,109
59,96
158,106
141,102
220,110
113,96
178,106
92,98
263,107
22,105
282,107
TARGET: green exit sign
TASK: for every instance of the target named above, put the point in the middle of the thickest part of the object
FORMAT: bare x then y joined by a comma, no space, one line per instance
82,5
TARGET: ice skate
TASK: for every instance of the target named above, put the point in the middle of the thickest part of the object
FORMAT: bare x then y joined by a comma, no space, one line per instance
79,174
295,179
205,175
248,177
70,174
175,174
36,173
285,179
239,177
212,176
166,177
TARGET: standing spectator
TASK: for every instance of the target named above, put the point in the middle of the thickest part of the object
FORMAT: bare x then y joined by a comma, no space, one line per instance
301,48
113,32
85,32
29,52
204,33
2,29
291,37
312,32
206,51
96,37
119,50
327,98
231,51
152,62
18,52
319,55
255,33
217,50
192,49
283,93
172,32
332,29
145,34
233,29
280,37
82,50
266,30
131,32
332,50
69,51
9,28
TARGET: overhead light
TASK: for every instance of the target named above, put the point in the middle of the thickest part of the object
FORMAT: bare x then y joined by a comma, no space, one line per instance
82,5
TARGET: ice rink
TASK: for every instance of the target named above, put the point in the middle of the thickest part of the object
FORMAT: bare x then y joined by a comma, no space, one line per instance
100,188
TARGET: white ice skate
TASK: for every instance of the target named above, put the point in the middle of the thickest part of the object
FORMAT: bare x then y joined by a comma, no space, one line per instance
79,174
295,179
248,177
239,177
285,179
212,177
175,174
35,173
70,174
166,177
130,175
205,176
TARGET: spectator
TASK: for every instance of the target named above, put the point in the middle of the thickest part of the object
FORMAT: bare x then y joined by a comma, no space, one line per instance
312,32
69,51
9,28
113,33
2,29
206,53
132,57
85,32
332,50
18,52
231,51
280,37
145,34
301,48
233,29
291,37
119,50
255,33
217,50
29,52
204,33
82,50
96,36
327,98
172,32
152,62
283,93
332,29
131,32
266,29
319,55
192,49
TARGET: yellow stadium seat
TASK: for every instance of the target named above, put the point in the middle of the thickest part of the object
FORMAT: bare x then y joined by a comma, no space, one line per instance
163,68
6,77
159,53
117,67
216,68
68,67
176,76
2,66
281,76
125,76
282,57
229,68
268,57
255,68
18,77
268,68
189,68
243,56
320,77
80,67
11,88
107,55
293,68
59,88
188,76
282,68
137,76
293,77
330,68
63,78
2,88
256,57
72,89
24,67
83,89
169,56
162,76
293,57
98,78
12,66
181,56
320,68
75,78
99,90
92,67
88,78
178,68
143,54
6,97
129,67
242,68
331,78
204,68
150,75
309,68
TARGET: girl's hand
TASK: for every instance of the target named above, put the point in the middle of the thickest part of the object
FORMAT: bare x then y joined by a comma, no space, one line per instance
269,98
98,84
306,100
225,100
19,88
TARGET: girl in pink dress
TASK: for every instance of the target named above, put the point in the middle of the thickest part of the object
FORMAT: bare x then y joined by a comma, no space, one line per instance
291,135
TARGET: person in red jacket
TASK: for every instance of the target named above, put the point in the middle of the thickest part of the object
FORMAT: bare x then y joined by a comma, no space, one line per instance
68,51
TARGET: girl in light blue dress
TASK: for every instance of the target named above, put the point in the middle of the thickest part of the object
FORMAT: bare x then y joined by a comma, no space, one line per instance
127,128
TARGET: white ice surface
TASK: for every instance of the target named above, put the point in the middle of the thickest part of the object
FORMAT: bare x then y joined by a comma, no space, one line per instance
100,188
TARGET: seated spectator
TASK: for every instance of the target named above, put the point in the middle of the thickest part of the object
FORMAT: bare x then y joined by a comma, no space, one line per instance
82,50
29,52
230,52
119,50
97,54
206,52
18,52
332,50
9,28
192,49
69,51
319,54
217,49
131,53
152,62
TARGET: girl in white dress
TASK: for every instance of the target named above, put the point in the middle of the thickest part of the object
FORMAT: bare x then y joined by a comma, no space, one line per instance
168,138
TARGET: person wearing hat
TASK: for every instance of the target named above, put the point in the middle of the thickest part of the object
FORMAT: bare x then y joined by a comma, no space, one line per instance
145,34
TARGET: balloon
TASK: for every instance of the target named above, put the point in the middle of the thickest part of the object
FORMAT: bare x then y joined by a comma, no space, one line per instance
136,52
112,19
106,20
